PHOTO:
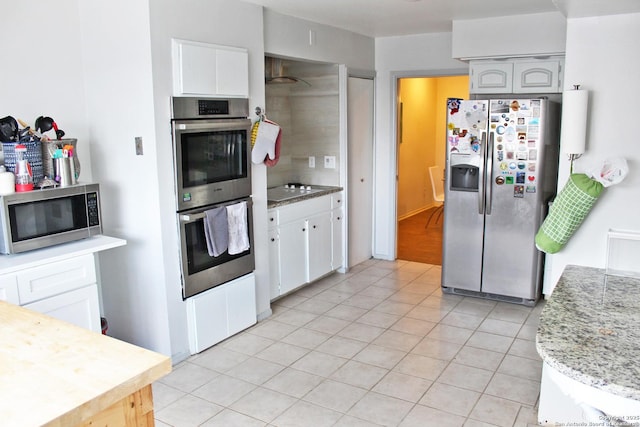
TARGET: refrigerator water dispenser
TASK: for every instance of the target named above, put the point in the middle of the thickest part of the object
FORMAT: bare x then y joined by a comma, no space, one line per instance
464,178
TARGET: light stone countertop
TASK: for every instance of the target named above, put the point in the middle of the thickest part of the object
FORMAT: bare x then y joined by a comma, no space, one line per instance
318,191
589,331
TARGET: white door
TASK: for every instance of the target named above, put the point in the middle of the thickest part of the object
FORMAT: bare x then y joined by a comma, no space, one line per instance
360,169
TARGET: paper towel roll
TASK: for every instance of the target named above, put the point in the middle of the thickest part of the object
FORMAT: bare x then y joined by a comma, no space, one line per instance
573,134
7,182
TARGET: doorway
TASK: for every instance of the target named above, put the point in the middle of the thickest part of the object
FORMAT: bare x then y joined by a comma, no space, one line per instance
421,133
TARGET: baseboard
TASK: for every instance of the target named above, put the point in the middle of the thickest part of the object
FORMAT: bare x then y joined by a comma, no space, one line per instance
417,211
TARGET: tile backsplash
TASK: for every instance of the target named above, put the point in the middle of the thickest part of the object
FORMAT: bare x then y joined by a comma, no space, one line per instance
309,116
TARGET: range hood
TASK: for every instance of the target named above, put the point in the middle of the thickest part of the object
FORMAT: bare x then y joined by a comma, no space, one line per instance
275,73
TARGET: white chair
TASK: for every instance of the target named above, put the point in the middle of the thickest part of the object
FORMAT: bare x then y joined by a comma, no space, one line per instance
437,186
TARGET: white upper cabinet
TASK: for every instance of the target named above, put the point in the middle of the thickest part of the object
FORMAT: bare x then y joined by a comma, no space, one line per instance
538,76
203,69
528,75
494,77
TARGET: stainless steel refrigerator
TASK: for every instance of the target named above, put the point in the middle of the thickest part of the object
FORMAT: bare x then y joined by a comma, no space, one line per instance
501,172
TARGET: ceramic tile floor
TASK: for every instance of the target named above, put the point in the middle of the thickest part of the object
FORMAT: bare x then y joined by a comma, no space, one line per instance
380,345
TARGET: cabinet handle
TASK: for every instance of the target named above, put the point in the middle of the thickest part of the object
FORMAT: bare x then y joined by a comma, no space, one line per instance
314,226
271,219
273,240
338,218
304,229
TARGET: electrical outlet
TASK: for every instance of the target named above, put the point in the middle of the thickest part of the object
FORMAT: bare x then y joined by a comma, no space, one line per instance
312,161
138,146
330,162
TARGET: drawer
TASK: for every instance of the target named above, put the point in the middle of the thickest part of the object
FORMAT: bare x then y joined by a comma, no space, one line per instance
337,200
9,288
54,278
272,218
304,209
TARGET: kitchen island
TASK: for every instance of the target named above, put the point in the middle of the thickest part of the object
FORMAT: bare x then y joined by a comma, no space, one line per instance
588,338
53,373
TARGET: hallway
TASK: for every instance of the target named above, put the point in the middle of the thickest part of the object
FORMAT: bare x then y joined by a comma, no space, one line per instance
420,237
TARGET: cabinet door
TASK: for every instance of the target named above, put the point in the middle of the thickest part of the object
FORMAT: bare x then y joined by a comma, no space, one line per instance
79,307
208,69
55,278
337,253
274,263
537,77
232,72
293,255
197,65
207,322
319,246
241,303
9,288
491,78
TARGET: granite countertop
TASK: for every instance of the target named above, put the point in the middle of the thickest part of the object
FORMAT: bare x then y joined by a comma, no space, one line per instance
279,196
590,330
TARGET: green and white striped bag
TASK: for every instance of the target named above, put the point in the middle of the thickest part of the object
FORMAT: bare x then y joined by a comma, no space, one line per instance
568,211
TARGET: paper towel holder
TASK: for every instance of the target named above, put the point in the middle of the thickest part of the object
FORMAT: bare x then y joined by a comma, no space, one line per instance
574,123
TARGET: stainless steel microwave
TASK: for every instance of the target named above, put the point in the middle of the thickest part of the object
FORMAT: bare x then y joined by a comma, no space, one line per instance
40,218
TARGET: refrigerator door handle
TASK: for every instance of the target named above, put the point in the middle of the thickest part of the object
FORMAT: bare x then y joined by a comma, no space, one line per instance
489,176
483,157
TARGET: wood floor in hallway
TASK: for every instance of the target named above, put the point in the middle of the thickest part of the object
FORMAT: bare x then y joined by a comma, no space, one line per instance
420,237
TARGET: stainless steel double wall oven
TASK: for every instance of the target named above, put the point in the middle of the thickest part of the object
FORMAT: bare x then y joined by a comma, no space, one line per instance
211,149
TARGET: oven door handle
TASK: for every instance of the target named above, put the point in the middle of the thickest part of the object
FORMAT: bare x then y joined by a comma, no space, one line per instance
191,217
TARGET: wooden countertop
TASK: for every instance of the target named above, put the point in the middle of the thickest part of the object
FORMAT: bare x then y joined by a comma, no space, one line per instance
56,374
590,329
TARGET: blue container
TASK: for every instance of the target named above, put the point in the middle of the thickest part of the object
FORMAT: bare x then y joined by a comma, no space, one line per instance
33,156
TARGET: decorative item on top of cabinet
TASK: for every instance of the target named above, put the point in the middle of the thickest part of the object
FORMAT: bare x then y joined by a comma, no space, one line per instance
204,69
517,75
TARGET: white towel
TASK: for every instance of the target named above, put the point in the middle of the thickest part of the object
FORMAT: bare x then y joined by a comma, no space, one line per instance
216,231
265,142
238,228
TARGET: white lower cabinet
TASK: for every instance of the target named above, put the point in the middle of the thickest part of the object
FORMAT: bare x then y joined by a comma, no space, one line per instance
293,255
319,246
66,289
304,241
9,288
220,312
337,252
79,307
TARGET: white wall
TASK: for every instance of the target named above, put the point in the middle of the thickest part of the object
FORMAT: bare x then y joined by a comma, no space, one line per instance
406,56
119,106
43,73
603,57
287,36
106,78
509,36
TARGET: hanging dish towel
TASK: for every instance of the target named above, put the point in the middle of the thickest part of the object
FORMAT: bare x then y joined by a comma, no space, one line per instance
216,231
238,228
265,145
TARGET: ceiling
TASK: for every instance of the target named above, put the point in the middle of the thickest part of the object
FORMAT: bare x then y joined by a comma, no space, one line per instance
383,18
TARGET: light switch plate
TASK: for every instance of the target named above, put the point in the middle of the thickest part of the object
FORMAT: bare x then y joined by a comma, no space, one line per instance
330,162
138,146
312,161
